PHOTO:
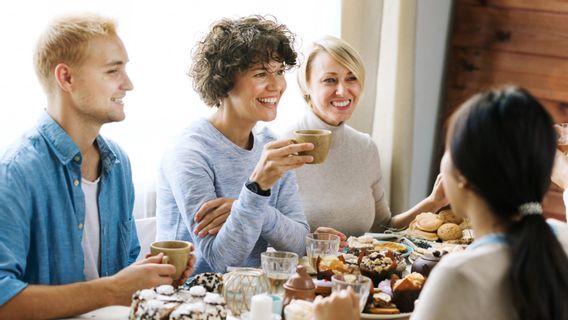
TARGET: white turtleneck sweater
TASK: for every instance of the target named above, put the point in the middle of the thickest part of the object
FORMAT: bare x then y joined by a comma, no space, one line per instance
345,191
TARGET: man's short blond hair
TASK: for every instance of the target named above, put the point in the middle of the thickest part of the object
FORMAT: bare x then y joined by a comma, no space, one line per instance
341,52
66,40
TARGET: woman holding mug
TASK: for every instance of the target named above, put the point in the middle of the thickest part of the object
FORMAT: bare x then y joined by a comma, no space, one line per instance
225,163
345,191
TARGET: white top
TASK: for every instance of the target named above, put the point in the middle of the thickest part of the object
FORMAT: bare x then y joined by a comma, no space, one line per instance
345,191
473,284
91,241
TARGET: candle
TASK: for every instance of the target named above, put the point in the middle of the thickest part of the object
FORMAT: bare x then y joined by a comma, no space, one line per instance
261,307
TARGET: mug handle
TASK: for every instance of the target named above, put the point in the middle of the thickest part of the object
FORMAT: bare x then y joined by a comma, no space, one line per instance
165,260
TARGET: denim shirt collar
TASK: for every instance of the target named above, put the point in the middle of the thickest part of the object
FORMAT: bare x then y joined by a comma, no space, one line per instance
66,149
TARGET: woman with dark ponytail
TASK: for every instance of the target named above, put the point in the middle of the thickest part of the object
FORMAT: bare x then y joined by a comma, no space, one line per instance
496,169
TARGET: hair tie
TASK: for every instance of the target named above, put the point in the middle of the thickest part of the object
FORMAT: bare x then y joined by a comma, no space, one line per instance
530,208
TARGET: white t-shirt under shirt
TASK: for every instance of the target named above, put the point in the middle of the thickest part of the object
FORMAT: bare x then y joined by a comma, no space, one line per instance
91,242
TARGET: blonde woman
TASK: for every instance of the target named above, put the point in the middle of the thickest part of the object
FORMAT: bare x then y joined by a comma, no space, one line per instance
345,192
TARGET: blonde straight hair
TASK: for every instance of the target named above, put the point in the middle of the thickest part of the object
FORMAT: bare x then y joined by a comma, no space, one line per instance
340,51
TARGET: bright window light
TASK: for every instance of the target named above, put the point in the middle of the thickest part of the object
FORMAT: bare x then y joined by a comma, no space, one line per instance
159,39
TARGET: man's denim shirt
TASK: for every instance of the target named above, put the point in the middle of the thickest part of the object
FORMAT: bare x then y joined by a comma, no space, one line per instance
42,210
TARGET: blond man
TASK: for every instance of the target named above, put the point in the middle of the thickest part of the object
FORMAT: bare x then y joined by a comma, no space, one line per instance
68,240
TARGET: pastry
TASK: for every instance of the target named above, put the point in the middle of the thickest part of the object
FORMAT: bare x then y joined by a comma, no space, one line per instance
407,290
166,302
428,221
449,231
449,216
392,246
212,282
417,233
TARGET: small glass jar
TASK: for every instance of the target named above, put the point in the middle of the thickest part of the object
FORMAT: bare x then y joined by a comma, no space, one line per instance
240,285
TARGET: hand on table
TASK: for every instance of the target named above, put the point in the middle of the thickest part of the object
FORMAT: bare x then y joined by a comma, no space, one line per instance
342,305
278,157
342,237
212,215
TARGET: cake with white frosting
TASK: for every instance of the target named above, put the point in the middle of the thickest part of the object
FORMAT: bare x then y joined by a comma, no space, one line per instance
166,302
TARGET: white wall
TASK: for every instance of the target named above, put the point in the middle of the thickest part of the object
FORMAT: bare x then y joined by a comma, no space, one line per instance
433,17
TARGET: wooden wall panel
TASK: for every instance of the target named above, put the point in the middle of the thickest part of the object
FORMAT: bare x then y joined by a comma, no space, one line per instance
560,6
538,33
500,42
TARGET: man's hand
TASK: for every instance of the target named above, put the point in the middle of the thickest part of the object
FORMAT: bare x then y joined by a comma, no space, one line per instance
188,271
143,274
278,157
212,215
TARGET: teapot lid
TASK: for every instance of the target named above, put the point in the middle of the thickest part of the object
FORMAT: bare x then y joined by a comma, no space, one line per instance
435,255
301,280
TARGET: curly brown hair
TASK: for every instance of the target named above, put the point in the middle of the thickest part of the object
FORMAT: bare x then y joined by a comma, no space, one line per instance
233,46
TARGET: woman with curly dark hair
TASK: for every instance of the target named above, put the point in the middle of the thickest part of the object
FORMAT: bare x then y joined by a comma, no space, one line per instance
225,170
496,170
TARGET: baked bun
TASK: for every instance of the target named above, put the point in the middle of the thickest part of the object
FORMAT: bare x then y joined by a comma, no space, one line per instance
449,231
417,233
449,216
428,221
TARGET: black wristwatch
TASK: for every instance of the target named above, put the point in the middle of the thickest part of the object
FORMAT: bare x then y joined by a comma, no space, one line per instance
254,187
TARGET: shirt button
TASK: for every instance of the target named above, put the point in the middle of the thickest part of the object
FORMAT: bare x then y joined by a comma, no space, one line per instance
80,226
76,182
77,158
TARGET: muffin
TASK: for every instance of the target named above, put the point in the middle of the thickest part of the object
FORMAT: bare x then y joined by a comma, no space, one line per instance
407,290
378,265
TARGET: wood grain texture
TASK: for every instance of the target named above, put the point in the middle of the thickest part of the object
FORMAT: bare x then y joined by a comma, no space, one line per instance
523,31
532,5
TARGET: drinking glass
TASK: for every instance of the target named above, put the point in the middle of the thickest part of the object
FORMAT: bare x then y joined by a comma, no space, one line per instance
278,266
562,132
321,245
360,284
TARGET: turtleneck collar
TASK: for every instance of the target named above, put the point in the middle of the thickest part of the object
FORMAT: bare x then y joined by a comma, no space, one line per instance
315,122
312,121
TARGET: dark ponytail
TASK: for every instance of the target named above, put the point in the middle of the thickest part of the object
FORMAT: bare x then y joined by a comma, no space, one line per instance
503,142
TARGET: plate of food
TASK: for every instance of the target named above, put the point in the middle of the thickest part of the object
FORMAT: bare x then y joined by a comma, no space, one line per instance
394,298
401,248
369,242
386,316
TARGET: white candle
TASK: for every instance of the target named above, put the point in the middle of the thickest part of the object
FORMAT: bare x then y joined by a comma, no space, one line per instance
261,307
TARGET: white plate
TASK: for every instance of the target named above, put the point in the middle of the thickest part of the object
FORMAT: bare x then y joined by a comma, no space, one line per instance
385,316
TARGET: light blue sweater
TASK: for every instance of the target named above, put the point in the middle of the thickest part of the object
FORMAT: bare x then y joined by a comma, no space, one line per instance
203,165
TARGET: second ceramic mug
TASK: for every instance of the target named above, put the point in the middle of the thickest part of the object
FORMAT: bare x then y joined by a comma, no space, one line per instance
321,139
176,253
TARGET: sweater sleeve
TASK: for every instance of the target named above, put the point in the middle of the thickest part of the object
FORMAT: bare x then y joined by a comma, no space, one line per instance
382,210
191,180
285,227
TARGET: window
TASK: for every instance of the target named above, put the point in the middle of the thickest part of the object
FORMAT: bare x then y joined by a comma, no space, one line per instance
159,39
